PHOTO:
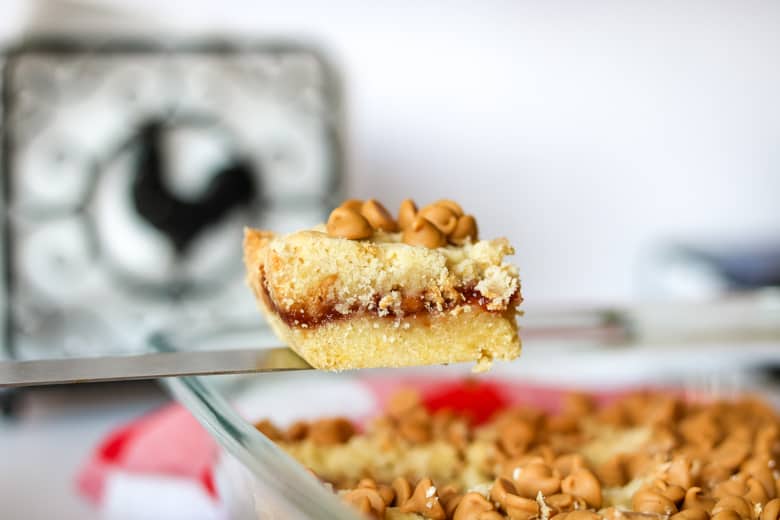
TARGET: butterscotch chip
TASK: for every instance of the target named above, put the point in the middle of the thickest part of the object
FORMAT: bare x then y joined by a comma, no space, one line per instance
363,505
450,205
691,514
347,223
548,455
441,217
712,474
614,415
446,426
376,215
353,204
578,515
727,514
638,463
450,498
662,441
578,404
680,472
695,499
701,430
406,213
584,484
613,471
735,485
760,468
402,489
511,467
534,477
415,429
734,503
367,501
568,463
767,441
650,501
771,510
424,501
501,489
387,493
732,452
421,232
671,491
756,492
471,506
465,229
515,437
297,431
519,508
268,429
331,431
402,403
663,411
504,493
562,424
564,502
530,416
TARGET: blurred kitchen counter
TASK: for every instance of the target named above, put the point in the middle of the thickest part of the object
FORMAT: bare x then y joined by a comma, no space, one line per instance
49,439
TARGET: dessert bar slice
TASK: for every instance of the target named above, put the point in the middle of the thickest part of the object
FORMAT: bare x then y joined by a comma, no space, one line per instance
367,290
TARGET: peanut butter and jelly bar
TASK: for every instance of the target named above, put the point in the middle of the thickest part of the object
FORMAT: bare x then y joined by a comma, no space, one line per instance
368,290
646,456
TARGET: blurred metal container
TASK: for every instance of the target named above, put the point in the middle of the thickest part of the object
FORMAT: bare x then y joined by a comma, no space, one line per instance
710,268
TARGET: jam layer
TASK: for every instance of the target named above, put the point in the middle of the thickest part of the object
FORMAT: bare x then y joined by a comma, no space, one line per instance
409,306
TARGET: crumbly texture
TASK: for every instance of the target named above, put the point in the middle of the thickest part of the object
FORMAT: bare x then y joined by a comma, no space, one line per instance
646,456
344,303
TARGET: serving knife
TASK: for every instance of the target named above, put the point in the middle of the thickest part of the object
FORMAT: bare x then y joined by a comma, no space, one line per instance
147,366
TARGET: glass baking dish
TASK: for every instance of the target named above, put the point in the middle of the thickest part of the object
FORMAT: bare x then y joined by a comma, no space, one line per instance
261,481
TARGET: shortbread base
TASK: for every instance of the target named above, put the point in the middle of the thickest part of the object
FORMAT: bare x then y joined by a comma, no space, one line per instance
465,334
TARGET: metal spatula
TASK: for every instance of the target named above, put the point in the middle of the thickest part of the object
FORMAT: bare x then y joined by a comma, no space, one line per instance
147,366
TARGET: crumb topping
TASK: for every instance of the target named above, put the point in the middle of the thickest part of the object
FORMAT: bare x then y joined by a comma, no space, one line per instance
367,290
308,275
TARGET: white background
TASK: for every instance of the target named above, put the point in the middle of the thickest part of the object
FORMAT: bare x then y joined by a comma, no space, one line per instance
589,132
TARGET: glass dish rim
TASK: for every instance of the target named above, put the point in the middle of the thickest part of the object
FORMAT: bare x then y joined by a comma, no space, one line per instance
276,470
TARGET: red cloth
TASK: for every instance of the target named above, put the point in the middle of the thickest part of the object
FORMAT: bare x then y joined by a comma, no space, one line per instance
479,398
167,442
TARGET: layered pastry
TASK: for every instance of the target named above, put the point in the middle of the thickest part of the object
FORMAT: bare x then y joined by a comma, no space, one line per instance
646,456
369,290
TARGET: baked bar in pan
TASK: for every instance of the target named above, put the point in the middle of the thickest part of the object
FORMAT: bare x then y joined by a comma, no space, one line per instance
644,456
